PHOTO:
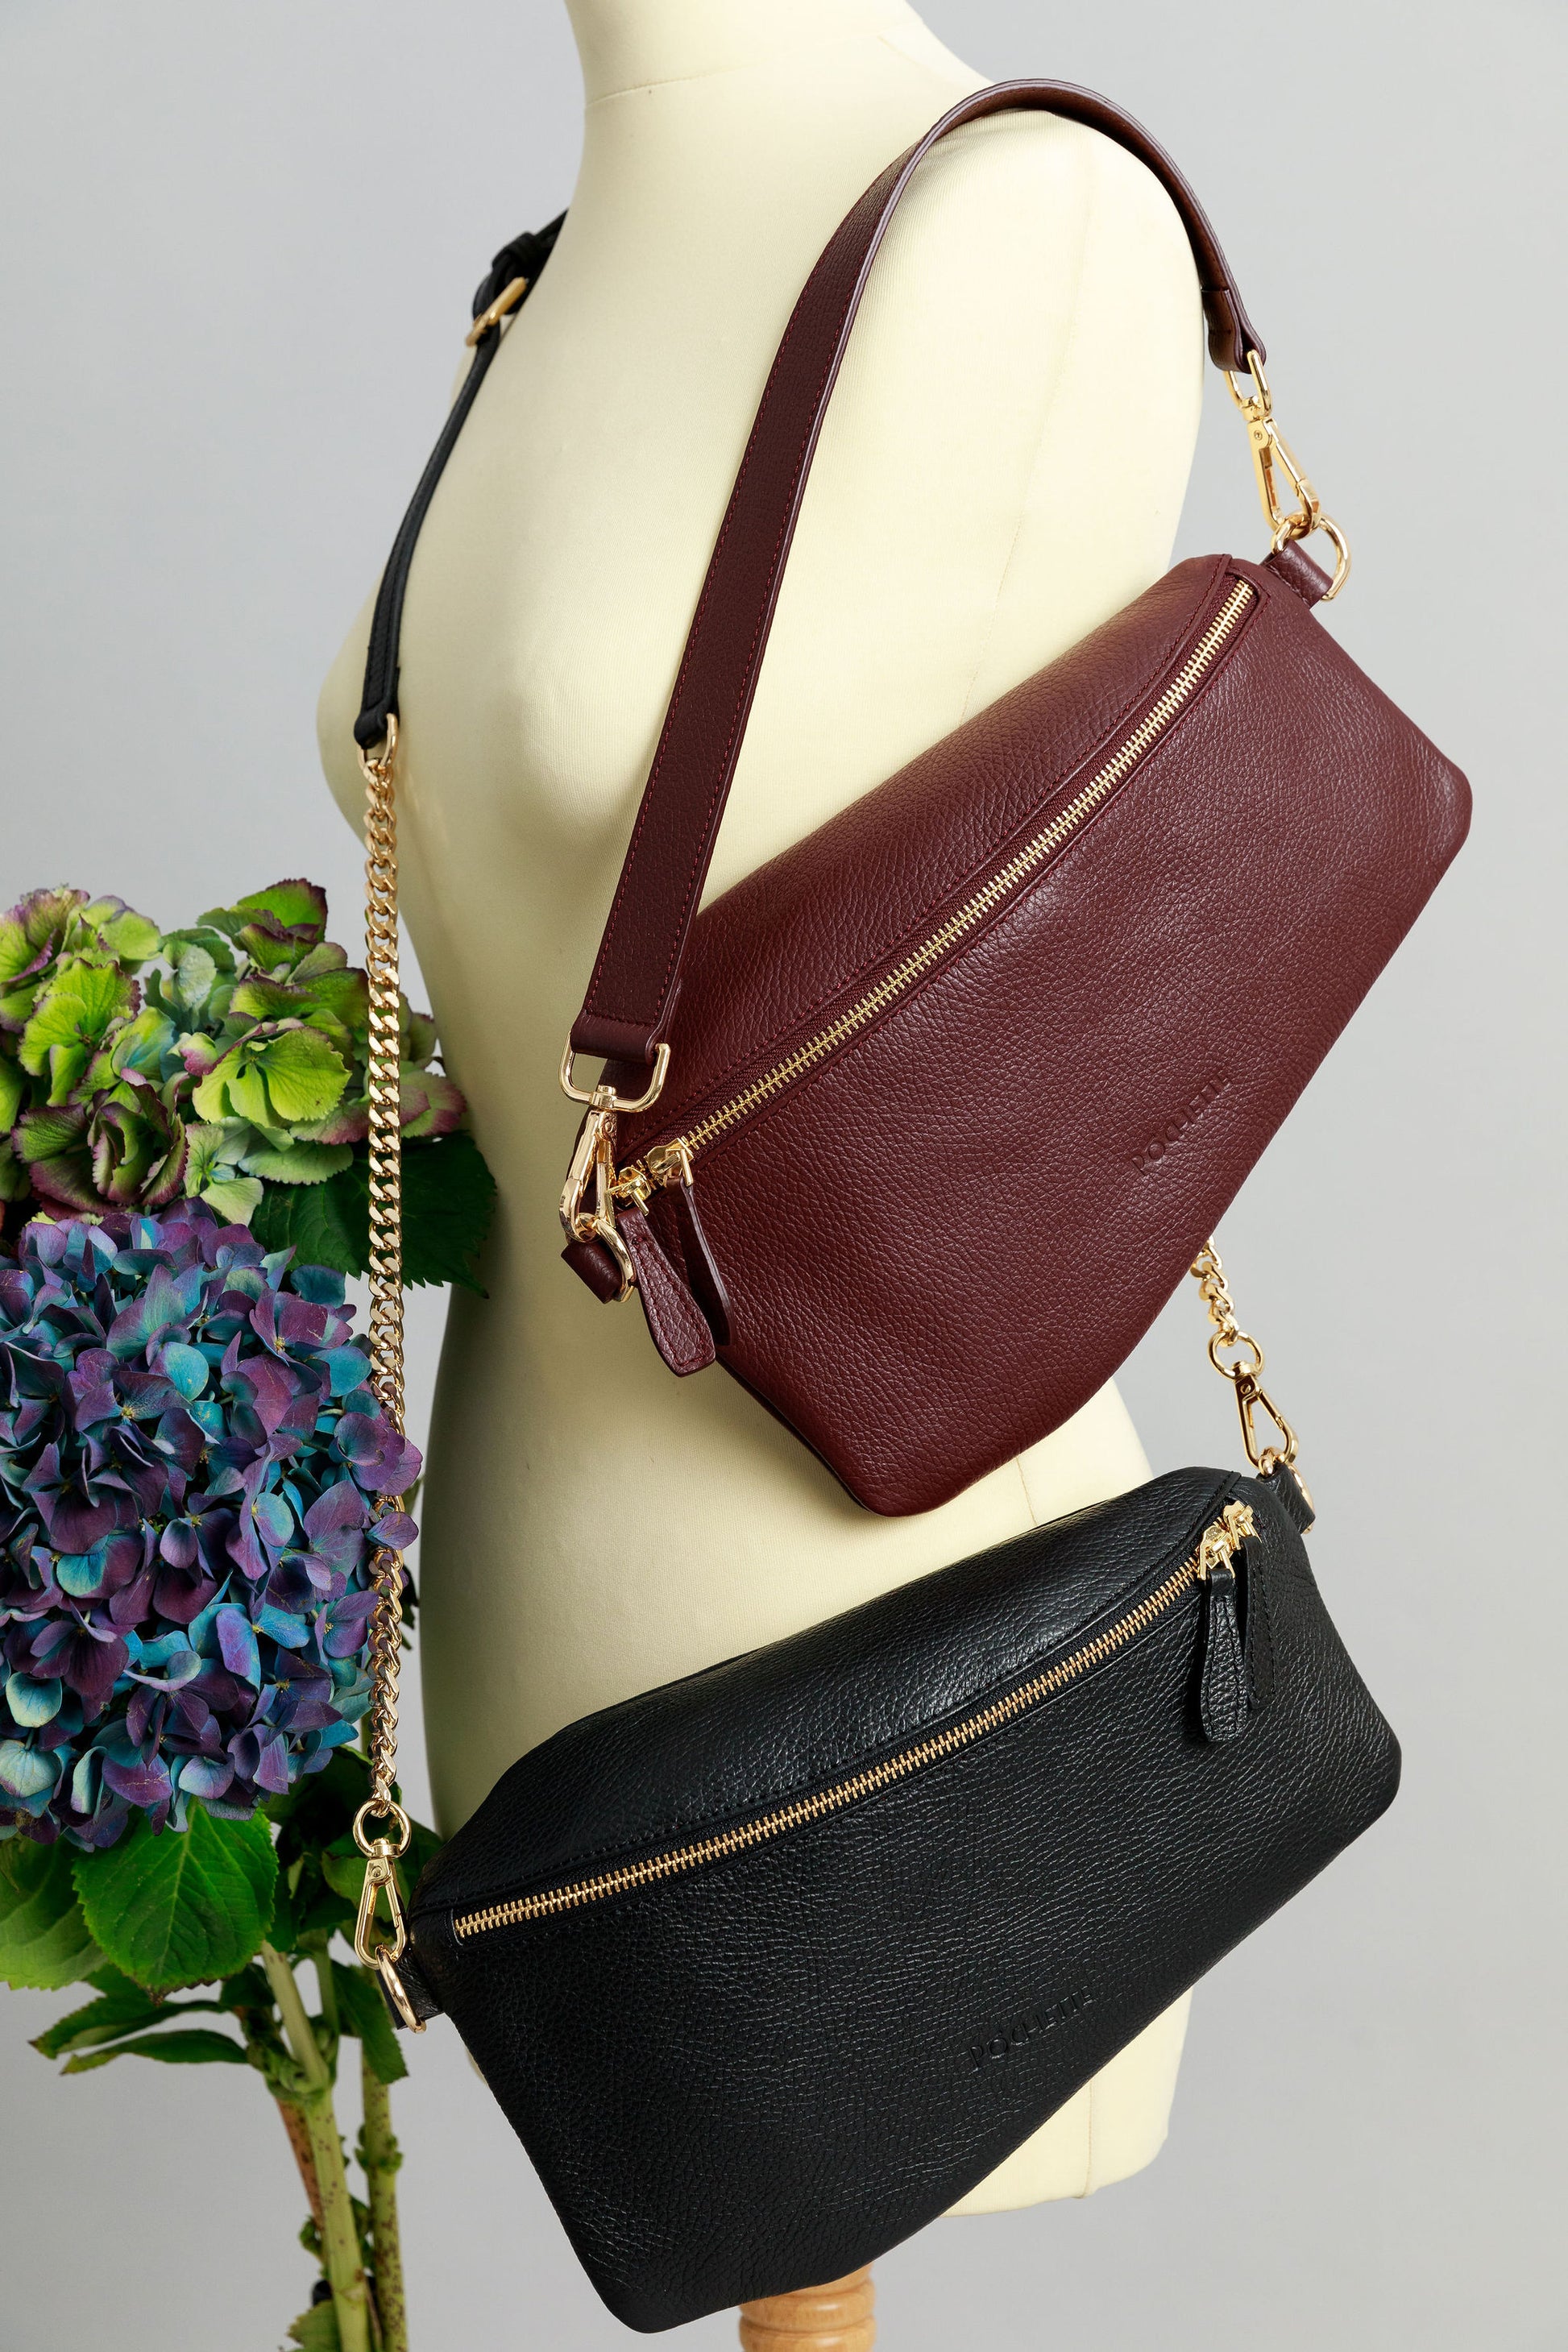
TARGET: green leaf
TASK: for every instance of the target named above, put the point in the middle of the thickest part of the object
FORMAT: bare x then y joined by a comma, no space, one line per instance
317,1222
211,942
305,1075
13,1091
448,1198
195,2045
294,903
248,1988
273,1081
45,918
361,2014
297,1163
125,2009
14,1182
130,937
342,992
72,1016
234,1199
43,1938
173,1909
316,2330
141,1044
45,1134
195,976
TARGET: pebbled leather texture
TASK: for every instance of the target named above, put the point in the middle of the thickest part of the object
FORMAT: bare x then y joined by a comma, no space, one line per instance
635,976
767,2071
1057,1115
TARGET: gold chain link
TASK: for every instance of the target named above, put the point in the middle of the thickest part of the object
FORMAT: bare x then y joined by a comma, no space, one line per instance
384,1090
1238,1358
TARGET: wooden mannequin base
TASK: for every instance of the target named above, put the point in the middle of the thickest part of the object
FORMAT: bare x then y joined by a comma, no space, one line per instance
838,2317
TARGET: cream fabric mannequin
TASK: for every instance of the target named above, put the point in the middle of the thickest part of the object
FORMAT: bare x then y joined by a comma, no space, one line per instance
1003,466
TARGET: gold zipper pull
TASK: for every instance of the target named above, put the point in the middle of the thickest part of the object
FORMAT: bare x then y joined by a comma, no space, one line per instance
670,1163
1223,1536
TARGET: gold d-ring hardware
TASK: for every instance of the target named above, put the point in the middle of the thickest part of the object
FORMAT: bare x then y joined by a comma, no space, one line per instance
1273,457
604,1098
507,300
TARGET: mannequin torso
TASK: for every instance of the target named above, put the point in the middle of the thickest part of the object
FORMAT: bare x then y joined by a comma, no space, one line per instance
1002,468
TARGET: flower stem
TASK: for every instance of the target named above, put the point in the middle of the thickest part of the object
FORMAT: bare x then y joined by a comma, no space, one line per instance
299,2133
381,2156
339,2238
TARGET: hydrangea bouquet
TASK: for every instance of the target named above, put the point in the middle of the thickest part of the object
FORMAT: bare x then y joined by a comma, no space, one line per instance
223,1063
193,1474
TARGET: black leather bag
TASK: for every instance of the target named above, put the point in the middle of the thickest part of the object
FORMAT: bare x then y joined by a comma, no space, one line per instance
770,1966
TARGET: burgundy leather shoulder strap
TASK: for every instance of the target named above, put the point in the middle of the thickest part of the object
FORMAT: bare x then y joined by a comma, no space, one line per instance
632,992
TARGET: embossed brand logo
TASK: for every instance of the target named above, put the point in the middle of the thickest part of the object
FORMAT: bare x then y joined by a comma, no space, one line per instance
1158,1145
1044,2018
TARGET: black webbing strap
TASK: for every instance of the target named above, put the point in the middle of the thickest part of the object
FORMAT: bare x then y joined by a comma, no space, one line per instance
525,256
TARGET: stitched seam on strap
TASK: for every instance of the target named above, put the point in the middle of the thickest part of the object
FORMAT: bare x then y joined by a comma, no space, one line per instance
683,679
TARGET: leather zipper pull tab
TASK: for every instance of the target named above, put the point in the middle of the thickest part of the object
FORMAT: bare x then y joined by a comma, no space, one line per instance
1223,1700
1225,1690
675,1323
702,1272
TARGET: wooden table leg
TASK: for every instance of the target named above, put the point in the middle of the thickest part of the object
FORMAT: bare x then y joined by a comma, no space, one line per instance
838,2317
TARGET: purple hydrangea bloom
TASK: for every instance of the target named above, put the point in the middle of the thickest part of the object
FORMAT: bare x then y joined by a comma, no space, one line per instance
194,1474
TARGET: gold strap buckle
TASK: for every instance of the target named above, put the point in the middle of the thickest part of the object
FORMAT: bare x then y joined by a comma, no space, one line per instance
1273,457
507,300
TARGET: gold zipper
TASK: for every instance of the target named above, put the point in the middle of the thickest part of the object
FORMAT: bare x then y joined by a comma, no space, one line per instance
1220,1541
670,1163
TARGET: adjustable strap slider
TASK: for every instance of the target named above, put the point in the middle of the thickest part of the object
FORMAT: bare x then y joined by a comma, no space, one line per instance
491,316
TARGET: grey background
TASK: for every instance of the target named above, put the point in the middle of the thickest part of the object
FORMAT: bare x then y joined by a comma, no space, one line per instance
220,225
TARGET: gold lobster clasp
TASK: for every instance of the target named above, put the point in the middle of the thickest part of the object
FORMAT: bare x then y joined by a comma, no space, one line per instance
1291,507
382,1953
587,1197
1251,1398
593,1167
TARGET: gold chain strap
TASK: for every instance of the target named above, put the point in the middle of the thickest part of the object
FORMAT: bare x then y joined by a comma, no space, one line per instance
1238,1358
383,1058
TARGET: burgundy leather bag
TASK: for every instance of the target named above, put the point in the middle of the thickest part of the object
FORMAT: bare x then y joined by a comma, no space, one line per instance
918,1127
